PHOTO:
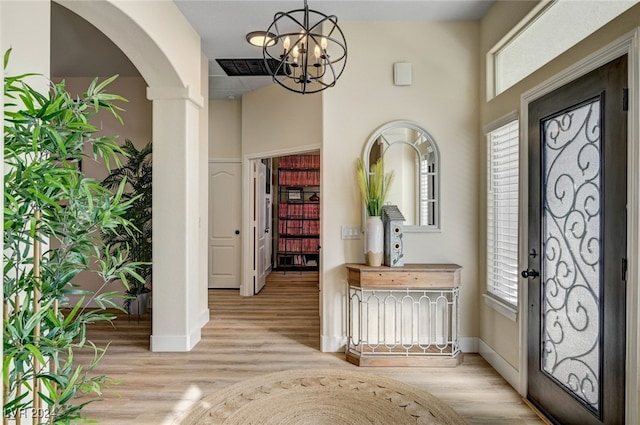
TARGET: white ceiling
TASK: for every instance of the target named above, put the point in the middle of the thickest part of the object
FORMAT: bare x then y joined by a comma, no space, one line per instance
223,26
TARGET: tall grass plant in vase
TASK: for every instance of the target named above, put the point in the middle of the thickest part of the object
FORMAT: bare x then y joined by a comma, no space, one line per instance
374,186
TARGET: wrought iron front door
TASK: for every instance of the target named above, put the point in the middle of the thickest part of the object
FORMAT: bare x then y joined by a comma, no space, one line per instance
577,248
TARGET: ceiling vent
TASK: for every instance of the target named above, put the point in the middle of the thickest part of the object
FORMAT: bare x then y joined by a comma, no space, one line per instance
246,67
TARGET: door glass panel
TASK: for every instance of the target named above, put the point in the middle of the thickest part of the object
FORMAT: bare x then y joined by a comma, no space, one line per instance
571,340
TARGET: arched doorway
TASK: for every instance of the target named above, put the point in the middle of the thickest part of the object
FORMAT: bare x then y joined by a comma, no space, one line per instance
171,64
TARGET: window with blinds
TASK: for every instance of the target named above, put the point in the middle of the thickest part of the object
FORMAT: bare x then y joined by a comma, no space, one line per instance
502,213
428,197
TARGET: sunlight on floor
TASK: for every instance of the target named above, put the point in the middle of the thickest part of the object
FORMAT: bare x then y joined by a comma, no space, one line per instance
188,400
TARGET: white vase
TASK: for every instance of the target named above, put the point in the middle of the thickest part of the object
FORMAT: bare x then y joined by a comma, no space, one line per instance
374,241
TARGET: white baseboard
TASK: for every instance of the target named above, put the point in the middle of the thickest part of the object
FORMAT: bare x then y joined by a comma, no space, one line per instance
508,372
332,344
468,344
204,317
175,343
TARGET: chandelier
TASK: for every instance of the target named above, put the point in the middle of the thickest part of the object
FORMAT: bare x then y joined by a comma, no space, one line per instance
306,52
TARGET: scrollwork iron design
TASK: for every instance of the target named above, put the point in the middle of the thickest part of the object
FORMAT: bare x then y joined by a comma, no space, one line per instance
571,343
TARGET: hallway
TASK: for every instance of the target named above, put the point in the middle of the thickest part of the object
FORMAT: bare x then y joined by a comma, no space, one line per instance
250,336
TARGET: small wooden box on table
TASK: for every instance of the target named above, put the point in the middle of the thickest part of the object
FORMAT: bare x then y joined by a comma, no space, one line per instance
403,316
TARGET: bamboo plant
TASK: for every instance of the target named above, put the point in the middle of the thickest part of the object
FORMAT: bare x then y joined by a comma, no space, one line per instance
53,220
374,186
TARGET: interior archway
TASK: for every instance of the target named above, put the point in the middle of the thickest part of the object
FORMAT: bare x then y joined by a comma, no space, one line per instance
171,64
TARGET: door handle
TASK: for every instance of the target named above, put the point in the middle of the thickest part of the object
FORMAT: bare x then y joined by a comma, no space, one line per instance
237,232
530,274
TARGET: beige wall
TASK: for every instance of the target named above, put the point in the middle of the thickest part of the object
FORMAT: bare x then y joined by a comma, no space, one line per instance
443,99
225,129
28,54
499,333
275,119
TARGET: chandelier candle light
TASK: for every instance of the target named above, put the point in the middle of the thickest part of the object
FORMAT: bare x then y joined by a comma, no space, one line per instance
307,52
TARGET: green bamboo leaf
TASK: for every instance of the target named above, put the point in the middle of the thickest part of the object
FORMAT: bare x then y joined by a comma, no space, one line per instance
16,402
51,379
49,401
91,88
7,54
69,390
98,88
36,353
73,312
28,103
6,364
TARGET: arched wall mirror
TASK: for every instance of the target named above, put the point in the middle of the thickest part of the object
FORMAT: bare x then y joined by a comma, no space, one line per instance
410,151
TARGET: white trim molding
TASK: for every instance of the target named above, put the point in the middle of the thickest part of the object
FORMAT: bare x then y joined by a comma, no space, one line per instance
175,93
205,316
225,160
508,311
177,343
502,121
503,367
333,344
628,44
469,344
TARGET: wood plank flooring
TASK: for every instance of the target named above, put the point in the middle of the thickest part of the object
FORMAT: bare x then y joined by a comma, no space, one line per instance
251,336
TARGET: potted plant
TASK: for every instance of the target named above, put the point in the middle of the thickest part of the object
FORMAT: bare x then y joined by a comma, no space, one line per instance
53,218
136,175
374,186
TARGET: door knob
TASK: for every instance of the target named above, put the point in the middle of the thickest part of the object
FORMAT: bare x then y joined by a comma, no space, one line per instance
530,274
237,232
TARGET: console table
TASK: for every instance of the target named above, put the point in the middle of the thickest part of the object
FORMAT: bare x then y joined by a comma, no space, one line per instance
403,316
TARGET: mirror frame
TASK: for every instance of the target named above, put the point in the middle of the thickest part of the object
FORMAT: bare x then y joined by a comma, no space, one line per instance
393,125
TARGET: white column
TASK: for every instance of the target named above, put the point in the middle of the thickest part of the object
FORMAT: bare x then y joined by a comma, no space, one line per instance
176,288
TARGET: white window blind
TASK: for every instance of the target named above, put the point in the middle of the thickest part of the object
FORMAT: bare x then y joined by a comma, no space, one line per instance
502,213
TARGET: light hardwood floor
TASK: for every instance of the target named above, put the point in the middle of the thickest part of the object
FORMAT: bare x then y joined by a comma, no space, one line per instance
276,330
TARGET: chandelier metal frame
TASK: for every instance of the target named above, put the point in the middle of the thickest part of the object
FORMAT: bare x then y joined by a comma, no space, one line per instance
309,53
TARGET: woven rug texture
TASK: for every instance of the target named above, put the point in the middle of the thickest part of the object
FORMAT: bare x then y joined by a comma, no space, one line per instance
320,397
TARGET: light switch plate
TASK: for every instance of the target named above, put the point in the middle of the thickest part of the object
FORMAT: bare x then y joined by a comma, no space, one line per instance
350,232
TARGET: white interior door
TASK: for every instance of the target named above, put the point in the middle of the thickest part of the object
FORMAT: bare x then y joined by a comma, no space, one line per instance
261,228
225,180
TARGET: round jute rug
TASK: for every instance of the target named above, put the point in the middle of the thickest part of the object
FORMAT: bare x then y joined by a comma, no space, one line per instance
320,396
